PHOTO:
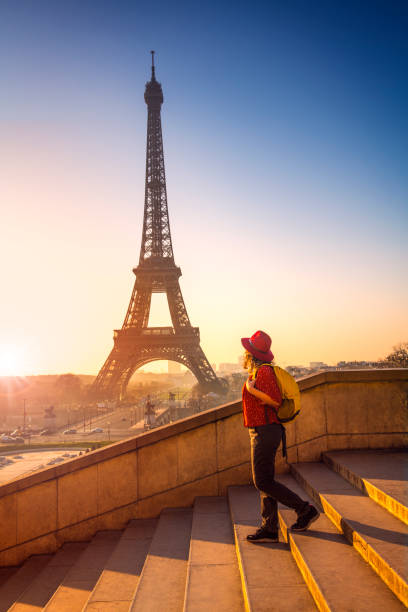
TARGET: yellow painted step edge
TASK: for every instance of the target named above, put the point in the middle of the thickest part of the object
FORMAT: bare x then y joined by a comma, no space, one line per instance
311,583
393,580
242,573
385,500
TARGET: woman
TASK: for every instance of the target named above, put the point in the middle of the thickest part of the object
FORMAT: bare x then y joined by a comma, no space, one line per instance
260,399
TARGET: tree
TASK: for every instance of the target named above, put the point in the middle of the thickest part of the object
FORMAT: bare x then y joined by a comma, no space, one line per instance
197,391
399,356
69,387
236,381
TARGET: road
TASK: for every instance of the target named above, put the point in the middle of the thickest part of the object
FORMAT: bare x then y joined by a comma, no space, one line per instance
15,464
117,425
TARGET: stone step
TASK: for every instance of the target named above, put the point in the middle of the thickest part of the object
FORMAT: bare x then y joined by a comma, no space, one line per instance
379,537
337,577
270,578
11,590
43,586
213,579
382,475
79,582
118,582
163,580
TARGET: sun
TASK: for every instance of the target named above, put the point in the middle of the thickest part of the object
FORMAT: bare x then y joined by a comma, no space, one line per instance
10,360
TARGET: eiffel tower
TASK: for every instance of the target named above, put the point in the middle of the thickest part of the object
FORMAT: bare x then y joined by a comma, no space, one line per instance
136,344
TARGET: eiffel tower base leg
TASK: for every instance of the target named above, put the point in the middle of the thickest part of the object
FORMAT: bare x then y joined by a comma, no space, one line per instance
123,361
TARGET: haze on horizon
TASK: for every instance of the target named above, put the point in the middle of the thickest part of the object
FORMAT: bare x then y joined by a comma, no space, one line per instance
285,131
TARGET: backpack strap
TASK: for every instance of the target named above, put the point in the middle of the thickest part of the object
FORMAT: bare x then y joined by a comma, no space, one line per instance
266,414
290,418
267,406
284,453
284,449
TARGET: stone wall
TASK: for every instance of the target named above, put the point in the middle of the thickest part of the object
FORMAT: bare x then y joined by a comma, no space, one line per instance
200,455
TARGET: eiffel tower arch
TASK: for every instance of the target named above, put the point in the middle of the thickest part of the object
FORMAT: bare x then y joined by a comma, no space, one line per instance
136,344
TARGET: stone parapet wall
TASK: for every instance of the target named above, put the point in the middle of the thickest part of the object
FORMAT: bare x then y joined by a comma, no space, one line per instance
349,410
200,455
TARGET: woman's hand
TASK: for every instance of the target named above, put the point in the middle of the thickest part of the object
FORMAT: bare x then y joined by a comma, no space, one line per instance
250,384
263,397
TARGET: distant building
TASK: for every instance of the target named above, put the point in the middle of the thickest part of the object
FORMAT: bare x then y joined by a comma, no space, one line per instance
174,367
297,371
188,377
358,365
229,368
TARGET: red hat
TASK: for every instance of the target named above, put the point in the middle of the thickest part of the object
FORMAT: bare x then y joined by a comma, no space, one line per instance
259,345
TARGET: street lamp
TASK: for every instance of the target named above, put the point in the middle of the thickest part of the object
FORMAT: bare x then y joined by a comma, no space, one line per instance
24,414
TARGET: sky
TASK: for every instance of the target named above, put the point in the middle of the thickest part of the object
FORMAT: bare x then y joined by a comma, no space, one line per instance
285,141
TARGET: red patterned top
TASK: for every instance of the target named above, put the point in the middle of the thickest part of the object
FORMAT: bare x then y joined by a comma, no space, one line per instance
253,408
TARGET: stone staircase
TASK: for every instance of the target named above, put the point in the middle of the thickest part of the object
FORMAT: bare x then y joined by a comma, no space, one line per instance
353,558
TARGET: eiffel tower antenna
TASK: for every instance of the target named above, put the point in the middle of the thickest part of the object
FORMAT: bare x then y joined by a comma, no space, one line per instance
137,344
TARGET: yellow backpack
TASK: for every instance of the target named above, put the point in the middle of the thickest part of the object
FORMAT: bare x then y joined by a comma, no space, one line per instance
290,406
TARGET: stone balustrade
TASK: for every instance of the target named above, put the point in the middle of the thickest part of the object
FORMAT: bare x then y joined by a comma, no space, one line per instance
197,456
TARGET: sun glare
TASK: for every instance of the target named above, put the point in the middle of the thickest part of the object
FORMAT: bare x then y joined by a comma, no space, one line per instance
10,360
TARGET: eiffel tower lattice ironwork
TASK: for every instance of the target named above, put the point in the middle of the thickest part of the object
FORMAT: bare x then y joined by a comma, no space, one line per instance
136,344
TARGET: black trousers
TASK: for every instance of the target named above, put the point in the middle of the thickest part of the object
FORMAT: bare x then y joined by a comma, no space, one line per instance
265,442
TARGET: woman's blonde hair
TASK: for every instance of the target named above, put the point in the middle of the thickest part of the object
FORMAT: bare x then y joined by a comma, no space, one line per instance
252,363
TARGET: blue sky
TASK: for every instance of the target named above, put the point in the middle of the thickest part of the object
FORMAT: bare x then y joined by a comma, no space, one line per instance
285,131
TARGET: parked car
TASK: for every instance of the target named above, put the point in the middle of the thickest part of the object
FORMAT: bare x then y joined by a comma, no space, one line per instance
69,431
6,439
44,432
97,430
18,440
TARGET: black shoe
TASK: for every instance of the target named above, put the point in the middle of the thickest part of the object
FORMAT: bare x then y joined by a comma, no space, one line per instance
306,519
262,535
